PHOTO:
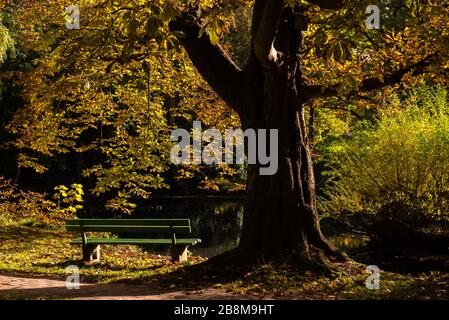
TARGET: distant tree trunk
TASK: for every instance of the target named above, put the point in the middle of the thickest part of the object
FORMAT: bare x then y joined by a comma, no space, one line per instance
17,175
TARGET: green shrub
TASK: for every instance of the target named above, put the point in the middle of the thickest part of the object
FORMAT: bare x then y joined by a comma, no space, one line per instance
69,200
398,166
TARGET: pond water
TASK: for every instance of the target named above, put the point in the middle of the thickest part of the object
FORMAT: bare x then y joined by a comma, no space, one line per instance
218,221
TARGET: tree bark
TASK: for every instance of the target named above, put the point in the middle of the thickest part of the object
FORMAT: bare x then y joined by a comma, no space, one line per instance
280,210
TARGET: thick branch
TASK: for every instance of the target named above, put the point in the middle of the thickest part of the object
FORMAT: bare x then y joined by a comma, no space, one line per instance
372,83
212,62
266,34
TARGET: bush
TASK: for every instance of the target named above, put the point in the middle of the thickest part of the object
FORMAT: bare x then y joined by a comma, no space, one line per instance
28,208
397,167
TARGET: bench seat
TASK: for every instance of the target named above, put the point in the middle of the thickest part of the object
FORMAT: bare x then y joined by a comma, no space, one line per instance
96,241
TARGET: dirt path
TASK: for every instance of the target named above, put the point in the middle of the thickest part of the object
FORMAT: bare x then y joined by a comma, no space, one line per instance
22,287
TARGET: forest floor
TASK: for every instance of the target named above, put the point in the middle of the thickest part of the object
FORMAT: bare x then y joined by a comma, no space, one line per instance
33,261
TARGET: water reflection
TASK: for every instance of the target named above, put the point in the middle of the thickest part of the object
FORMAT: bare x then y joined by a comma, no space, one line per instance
350,243
216,221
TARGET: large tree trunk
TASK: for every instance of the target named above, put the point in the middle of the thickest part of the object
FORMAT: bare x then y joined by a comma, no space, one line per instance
280,213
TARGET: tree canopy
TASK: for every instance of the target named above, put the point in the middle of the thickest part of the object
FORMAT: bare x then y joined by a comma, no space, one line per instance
115,87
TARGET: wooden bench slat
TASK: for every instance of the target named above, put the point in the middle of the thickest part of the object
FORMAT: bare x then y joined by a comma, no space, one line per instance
134,222
130,229
96,241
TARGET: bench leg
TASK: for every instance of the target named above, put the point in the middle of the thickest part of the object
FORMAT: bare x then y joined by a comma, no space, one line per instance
179,253
91,253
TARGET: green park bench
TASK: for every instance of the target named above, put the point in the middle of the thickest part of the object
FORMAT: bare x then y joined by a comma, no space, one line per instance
172,232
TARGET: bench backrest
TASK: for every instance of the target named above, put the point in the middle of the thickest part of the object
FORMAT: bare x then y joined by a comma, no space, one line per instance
146,226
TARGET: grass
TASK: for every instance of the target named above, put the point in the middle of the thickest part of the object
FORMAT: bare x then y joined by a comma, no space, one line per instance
41,251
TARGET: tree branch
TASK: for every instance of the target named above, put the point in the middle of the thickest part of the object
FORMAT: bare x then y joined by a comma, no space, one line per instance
212,62
372,83
266,34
